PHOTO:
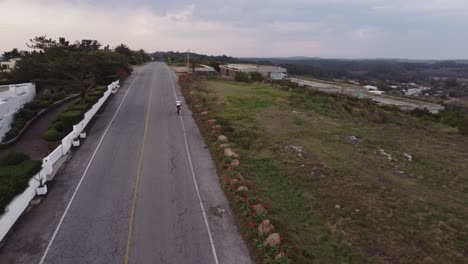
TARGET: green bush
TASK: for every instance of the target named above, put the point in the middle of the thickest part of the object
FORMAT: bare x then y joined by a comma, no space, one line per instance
451,118
79,107
58,126
33,105
256,77
16,127
13,158
53,135
102,89
27,113
98,93
12,133
463,127
71,118
45,103
14,178
241,77
91,100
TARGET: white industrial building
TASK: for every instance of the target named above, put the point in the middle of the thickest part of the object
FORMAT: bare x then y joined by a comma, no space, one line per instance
371,88
270,72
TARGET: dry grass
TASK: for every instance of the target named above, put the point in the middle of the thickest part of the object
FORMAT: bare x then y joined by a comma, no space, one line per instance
343,202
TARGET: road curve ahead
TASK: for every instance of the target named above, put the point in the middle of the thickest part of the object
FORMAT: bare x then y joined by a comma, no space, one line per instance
148,193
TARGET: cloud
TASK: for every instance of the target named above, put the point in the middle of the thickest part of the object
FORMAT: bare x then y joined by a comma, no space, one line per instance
329,28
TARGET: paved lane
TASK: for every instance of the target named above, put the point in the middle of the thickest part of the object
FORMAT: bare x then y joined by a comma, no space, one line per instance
141,198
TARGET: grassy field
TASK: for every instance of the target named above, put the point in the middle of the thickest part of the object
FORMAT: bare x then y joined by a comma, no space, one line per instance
342,200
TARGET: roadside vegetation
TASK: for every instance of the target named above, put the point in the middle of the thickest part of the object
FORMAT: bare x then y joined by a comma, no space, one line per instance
347,181
16,169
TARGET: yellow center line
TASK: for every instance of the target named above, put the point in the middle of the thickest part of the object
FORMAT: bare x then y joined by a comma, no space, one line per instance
137,184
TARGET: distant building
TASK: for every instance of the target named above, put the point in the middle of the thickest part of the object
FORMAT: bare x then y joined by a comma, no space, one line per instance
371,88
205,70
7,66
270,72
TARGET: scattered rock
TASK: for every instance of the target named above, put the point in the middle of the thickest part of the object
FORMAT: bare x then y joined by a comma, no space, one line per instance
35,202
280,256
235,163
352,139
387,155
401,173
217,211
428,260
300,151
224,146
222,139
337,206
234,182
211,121
240,177
242,189
228,153
236,156
266,228
408,157
273,240
204,113
259,209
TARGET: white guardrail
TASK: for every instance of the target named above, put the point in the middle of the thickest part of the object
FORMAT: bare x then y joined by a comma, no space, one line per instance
17,206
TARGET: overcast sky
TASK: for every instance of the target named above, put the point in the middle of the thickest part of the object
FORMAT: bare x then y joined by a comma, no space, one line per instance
418,29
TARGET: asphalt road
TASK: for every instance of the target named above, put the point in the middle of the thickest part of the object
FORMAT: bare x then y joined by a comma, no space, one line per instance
142,189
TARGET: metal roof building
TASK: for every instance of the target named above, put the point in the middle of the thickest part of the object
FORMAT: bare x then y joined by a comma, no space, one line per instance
270,72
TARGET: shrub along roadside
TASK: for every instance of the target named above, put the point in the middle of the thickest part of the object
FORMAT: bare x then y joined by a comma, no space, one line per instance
16,169
63,122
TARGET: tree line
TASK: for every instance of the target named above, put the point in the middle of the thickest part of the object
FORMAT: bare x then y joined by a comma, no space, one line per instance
59,64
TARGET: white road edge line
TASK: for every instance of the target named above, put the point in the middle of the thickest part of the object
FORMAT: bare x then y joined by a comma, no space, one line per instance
84,174
195,179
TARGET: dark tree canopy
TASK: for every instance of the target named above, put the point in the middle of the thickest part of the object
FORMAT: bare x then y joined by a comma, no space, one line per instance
14,53
78,65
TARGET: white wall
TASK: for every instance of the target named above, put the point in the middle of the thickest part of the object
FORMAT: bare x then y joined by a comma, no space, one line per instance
11,101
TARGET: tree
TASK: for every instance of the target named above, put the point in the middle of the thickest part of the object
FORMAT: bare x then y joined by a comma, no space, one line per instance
194,62
215,65
241,77
64,65
123,50
14,53
451,83
256,77
76,62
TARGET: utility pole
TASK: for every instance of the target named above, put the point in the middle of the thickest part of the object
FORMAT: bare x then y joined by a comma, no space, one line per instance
188,60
